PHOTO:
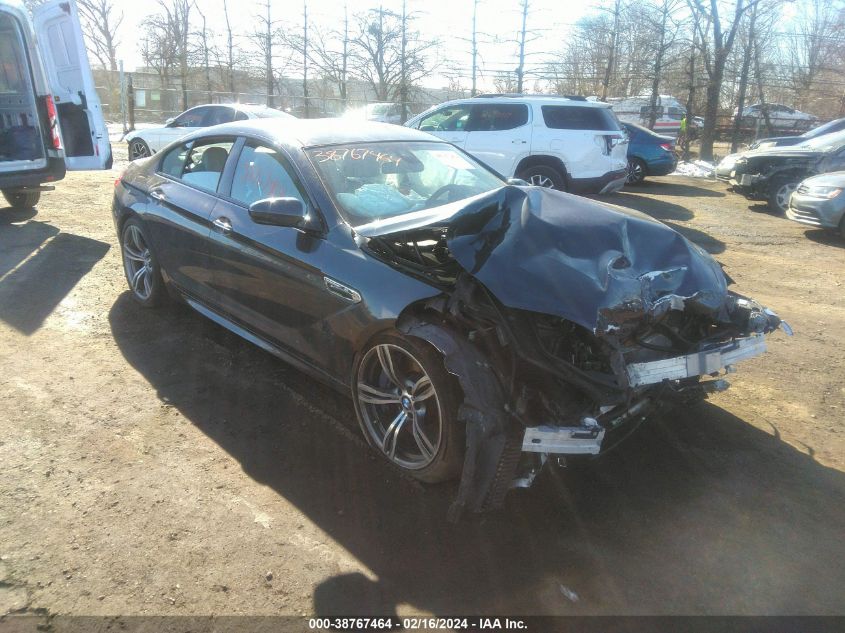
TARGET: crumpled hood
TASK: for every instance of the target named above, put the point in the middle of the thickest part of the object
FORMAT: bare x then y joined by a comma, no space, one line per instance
545,251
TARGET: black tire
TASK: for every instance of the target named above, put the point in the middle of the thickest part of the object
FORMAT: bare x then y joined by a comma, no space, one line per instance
543,176
637,171
138,149
780,189
148,289
20,200
446,458
842,228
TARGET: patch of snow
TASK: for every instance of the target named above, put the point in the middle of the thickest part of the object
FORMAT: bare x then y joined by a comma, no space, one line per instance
695,169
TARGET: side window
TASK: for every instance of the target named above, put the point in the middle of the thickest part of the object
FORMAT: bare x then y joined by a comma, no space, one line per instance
452,119
217,115
192,118
199,165
240,115
261,173
496,117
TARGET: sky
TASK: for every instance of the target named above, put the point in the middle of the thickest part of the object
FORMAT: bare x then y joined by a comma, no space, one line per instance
449,21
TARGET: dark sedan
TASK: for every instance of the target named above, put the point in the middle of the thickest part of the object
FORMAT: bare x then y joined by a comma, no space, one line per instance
479,327
773,174
649,154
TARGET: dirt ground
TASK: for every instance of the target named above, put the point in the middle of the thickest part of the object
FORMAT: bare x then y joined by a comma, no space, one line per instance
152,463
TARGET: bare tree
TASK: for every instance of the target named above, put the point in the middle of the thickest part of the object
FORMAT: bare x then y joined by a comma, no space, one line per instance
666,29
266,37
376,53
717,40
616,13
100,23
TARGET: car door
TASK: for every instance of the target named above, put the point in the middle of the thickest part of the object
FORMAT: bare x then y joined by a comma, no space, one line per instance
499,134
68,74
448,123
179,212
266,278
187,122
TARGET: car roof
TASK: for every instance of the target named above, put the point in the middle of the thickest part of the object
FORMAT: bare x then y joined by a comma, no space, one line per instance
540,99
311,132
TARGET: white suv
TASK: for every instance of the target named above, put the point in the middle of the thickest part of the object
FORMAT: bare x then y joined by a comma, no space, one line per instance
567,143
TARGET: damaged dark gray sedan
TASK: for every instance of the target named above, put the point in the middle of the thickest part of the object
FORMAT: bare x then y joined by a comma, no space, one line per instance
480,327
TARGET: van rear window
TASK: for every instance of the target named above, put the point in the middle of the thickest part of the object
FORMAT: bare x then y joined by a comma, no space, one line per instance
579,118
11,58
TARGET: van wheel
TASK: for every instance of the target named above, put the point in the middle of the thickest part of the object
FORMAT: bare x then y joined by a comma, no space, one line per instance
22,199
543,176
138,148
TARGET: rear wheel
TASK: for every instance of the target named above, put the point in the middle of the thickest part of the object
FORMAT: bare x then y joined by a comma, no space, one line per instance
780,191
22,199
140,265
138,148
543,176
407,407
636,171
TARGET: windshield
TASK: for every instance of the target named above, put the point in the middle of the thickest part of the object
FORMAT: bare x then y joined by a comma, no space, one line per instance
375,181
826,142
823,129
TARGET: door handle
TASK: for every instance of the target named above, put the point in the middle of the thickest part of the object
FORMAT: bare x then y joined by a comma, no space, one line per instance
518,141
158,194
222,225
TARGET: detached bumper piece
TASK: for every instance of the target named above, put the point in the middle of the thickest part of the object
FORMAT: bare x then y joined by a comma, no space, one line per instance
563,440
698,364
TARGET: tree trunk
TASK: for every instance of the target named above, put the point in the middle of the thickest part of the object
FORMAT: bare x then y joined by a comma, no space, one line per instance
743,82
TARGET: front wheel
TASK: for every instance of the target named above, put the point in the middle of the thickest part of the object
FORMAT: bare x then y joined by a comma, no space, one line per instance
636,171
138,148
20,200
780,190
407,407
543,176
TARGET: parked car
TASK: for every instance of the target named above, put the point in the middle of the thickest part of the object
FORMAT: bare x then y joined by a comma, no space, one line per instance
773,174
50,116
649,154
564,143
380,112
818,201
837,125
781,117
459,312
669,112
147,141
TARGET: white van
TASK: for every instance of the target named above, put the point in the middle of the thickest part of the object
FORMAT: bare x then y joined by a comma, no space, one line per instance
670,111
50,116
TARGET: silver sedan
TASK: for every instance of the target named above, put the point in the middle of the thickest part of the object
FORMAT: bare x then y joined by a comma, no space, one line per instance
819,201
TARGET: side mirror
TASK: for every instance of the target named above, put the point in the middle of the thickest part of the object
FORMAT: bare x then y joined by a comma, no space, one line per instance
280,212
169,122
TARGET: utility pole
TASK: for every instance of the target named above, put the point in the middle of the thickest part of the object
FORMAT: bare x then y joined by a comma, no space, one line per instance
305,57
474,47
403,85
268,60
520,71
343,92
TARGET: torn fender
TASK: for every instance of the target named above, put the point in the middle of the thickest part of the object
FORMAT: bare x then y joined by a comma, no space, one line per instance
491,441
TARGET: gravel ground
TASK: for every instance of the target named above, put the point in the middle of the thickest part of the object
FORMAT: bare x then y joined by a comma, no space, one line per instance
152,463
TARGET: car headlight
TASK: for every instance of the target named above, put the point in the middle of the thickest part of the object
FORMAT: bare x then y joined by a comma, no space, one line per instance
821,191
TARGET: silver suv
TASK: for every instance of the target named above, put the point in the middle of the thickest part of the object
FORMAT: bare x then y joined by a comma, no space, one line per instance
567,143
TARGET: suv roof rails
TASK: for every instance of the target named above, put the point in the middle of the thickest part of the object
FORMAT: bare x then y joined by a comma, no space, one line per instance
516,95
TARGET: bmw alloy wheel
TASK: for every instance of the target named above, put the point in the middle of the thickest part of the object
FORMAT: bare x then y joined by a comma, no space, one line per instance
138,262
399,406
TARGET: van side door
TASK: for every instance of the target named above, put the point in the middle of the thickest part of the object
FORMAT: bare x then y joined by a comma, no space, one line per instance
68,74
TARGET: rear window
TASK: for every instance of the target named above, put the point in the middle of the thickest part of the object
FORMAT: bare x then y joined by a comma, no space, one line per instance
579,118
